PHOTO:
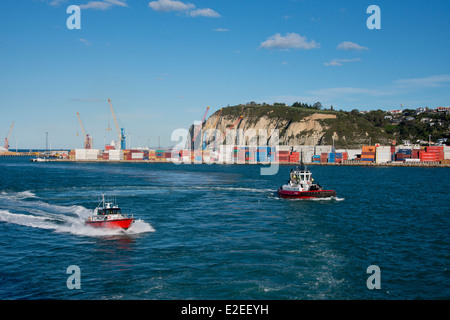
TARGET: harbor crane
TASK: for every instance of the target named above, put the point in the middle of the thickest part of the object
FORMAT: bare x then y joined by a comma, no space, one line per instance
8,136
120,131
232,126
87,138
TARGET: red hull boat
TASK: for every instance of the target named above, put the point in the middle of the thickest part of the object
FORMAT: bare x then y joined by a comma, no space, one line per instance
306,194
112,224
109,215
302,186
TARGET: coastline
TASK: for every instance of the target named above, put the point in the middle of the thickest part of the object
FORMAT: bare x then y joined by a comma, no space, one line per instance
345,163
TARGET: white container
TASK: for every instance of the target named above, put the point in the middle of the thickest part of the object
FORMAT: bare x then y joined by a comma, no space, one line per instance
137,155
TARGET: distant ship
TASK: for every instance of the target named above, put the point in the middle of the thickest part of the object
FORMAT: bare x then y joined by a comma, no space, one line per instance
109,215
302,186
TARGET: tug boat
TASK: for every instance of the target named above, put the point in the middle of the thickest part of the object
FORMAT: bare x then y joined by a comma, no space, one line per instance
109,215
301,186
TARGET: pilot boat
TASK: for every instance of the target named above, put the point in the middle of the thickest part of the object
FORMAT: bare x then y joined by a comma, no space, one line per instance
301,186
109,215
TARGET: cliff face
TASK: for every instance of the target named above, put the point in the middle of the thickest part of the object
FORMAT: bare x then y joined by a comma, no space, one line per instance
297,126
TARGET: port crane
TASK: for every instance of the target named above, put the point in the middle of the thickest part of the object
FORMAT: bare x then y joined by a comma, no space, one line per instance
120,131
87,138
232,127
8,136
199,129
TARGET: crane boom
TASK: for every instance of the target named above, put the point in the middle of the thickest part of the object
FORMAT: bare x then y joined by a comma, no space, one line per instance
234,124
87,139
8,136
81,124
119,131
217,119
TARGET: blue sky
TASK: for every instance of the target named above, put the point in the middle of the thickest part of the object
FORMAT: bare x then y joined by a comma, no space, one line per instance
163,62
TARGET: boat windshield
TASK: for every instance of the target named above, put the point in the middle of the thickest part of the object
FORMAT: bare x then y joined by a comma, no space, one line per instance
109,211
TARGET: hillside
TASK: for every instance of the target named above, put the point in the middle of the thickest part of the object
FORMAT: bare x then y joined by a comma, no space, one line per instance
302,126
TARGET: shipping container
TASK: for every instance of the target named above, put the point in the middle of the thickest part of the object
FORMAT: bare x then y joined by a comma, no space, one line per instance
368,149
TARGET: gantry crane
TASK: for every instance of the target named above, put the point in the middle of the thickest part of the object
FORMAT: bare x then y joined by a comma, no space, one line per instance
8,136
87,138
120,131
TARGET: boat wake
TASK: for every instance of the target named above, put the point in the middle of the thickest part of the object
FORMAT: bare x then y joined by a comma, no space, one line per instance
25,209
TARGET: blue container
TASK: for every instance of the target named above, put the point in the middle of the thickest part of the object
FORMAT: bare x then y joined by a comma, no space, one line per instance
405,151
331,157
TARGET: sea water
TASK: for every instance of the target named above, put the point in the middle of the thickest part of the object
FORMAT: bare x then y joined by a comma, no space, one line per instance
221,232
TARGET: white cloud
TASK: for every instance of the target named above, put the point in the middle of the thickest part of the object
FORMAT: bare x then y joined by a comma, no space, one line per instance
174,5
348,45
340,62
430,81
210,13
103,5
56,3
289,41
221,30
85,42
170,5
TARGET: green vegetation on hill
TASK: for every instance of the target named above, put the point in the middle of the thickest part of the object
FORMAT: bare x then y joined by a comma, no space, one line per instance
350,128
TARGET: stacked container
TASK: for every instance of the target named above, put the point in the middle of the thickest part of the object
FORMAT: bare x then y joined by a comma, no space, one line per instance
139,155
438,150
262,153
283,156
368,154
332,157
316,158
115,155
428,156
323,157
341,156
383,154
446,152
87,154
294,157
151,155
403,154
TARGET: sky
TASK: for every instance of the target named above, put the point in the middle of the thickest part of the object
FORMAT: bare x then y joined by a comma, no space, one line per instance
163,62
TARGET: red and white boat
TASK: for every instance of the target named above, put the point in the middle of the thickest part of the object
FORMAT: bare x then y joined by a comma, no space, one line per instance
109,215
301,186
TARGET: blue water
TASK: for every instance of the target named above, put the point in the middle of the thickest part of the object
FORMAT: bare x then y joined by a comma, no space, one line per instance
220,232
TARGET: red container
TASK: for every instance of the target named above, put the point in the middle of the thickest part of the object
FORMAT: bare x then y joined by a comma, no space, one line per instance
429,156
